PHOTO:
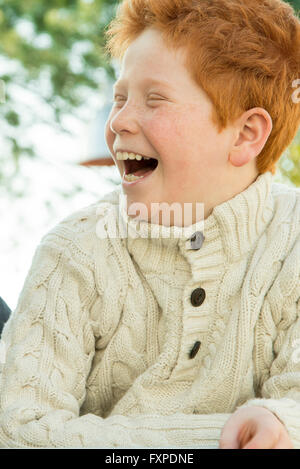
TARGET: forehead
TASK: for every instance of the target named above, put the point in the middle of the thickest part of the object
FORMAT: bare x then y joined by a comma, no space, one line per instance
149,55
122,83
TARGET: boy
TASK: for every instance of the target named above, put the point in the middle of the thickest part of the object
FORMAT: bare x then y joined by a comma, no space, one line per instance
188,338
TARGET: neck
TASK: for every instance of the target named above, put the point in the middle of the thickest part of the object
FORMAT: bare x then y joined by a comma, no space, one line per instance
187,213
237,181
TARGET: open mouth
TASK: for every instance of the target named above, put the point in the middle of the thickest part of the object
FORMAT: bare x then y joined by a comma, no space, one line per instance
139,168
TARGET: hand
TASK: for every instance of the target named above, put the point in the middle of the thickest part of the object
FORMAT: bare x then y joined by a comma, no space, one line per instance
254,428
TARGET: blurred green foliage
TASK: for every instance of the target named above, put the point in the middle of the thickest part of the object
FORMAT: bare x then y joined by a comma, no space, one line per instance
295,4
57,50
289,163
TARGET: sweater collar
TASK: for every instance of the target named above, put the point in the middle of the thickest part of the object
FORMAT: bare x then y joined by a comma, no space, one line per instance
237,222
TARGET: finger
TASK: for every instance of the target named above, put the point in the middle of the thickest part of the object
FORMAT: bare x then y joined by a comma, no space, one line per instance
262,440
229,435
284,444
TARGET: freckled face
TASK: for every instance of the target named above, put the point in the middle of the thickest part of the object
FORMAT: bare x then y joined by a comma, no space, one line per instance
170,121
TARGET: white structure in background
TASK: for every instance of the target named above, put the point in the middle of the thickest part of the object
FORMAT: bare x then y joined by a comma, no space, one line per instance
98,153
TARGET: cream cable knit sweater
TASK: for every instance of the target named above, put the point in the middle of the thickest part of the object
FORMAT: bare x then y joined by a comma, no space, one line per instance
98,348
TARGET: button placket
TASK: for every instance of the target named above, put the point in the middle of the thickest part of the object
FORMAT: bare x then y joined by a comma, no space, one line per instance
197,297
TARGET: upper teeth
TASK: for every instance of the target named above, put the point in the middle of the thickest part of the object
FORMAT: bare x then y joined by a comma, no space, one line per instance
130,156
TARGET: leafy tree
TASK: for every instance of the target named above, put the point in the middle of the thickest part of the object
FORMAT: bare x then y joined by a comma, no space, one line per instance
55,48
289,163
295,4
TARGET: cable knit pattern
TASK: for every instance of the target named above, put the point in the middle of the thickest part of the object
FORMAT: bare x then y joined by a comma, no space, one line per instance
97,350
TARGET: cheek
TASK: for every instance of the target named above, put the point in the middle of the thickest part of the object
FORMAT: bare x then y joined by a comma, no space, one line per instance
165,130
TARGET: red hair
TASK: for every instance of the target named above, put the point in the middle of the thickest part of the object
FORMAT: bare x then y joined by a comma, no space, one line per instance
242,53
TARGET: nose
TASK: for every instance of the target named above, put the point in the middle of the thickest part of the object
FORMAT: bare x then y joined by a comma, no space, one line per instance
125,120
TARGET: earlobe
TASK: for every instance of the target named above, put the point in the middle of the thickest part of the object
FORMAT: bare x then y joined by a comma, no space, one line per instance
239,158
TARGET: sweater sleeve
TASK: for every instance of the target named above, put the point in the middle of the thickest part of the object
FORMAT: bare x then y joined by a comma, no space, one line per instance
281,391
49,348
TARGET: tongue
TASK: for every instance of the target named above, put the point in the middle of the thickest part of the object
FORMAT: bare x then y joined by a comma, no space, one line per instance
143,171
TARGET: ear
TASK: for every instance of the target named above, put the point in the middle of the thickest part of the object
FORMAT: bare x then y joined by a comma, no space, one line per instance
253,130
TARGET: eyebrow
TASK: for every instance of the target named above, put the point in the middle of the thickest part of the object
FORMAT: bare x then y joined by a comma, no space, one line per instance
147,80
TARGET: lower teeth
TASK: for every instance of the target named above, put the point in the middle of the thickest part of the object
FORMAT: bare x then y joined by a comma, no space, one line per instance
132,177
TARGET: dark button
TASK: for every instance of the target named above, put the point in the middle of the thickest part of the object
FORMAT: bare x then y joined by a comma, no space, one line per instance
198,296
195,349
197,240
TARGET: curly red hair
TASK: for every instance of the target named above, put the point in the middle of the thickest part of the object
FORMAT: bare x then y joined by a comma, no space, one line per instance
242,53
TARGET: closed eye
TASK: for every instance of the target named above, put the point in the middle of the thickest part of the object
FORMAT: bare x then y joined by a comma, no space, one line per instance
155,97
122,98
116,98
